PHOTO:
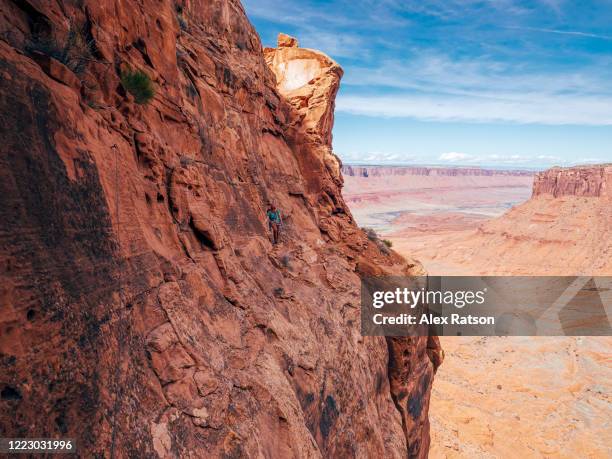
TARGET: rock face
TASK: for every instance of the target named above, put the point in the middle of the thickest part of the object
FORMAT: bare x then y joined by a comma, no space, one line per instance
590,181
285,40
143,309
309,80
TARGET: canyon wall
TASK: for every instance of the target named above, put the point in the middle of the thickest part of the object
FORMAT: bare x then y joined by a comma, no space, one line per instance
591,181
143,309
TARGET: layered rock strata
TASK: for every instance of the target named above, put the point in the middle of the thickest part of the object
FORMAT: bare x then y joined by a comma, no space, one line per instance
588,181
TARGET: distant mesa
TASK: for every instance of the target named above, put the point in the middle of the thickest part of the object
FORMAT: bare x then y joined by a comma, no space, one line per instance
587,181
381,171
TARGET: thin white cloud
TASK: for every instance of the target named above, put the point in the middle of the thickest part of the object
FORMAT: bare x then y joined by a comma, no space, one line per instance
549,158
377,157
452,9
563,32
506,160
434,72
528,109
453,157
554,5
436,87
593,160
333,44
294,13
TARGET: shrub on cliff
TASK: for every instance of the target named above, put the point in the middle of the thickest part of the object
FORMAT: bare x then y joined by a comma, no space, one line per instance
370,233
382,244
138,84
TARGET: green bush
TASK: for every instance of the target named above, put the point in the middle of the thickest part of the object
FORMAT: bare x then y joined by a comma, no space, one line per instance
138,83
388,243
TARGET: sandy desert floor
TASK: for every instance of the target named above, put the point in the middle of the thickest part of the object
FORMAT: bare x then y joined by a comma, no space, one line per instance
523,397
497,397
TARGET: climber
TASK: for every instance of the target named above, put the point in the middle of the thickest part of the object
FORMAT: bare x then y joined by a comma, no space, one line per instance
275,222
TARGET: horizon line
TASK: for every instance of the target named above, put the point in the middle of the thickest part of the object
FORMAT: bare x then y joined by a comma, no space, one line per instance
472,166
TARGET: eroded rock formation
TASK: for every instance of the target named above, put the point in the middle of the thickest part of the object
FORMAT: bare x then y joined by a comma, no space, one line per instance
309,80
588,181
143,309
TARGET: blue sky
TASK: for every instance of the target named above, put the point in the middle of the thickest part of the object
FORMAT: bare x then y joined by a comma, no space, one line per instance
472,82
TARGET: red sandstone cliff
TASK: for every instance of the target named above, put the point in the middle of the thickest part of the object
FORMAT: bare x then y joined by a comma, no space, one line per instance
588,181
143,310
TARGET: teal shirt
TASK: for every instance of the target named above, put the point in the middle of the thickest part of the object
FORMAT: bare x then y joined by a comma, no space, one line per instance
274,216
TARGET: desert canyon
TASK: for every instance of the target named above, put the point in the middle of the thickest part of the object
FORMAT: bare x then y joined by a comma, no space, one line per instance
145,312
143,309
505,396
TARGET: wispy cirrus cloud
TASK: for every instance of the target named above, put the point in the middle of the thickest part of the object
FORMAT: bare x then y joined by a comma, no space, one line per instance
575,33
518,160
508,160
454,158
534,108
436,72
379,157
436,87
